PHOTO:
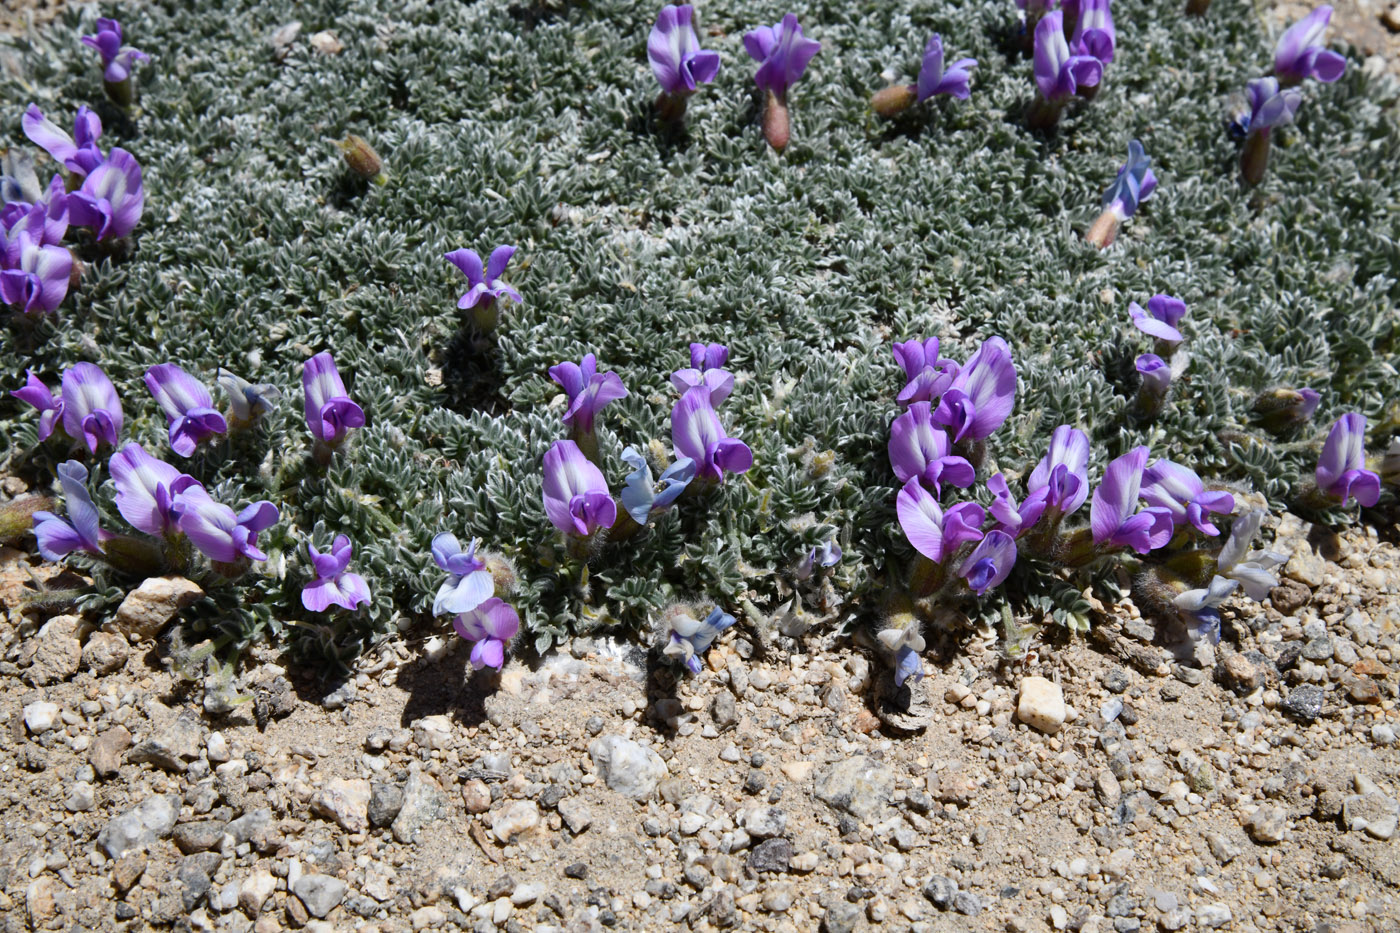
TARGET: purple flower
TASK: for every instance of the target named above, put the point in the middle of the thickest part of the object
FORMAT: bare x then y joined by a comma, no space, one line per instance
675,54
641,495
782,53
1114,518
1303,409
1134,184
825,554
1161,317
1270,105
45,218
690,637
468,584
588,390
1093,29
78,153
918,450
247,401
936,534
708,356
1011,519
697,434
576,495
706,369
188,406
1180,491
117,59
718,381
91,410
1300,54
486,286
37,394
1063,470
112,197
218,533
933,79
148,490
1156,374
34,276
927,374
330,412
982,393
334,585
989,562
1058,74
1341,469
905,644
59,537
491,626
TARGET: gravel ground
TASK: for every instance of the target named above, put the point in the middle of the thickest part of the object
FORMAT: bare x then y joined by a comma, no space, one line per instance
1249,787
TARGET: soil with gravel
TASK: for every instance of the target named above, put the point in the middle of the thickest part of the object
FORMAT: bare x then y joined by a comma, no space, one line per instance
1164,785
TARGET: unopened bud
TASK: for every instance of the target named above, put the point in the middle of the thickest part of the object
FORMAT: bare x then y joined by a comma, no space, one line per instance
777,125
1280,408
361,157
1254,157
894,100
17,517
502,572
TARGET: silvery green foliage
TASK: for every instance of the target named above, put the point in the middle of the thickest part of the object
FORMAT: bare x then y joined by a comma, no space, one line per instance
507,123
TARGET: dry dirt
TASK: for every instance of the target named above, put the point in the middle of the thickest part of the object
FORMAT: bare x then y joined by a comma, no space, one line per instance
1252,786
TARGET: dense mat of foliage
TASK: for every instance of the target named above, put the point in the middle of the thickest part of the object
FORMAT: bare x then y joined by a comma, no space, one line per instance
501,123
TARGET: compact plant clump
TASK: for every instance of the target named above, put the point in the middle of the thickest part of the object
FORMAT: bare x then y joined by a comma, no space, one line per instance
917,403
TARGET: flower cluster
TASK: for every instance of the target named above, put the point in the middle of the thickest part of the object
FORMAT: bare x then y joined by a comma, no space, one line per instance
479,616
102,192
1273,101
171,506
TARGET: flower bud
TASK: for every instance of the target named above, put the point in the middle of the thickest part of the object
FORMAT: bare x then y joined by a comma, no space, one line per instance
1280,407
1104,230
17,516
777,125
894,100
361,157
502,570
1254,157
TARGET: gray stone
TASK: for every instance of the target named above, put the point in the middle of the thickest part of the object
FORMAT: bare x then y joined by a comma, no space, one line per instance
199,836
630,769
841,917
193,873
967,903
860,786
149,608
1267,824
105,653
764,822
940,891
1374,813
320,893
250,825
139,827
575,814
341,697
58,652
81,797
385,802
423,802
770,855
1304,703
724,710
173,746
1214,916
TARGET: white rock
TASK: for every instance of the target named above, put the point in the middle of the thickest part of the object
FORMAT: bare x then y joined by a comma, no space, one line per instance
346,802
520,816
256,889
628,768
1042,705
1214,916
216,748
149,608
40,717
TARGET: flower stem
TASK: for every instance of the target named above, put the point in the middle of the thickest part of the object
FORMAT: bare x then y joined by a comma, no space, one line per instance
777,126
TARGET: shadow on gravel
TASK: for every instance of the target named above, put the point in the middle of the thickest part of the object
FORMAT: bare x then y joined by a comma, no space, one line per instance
439,687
